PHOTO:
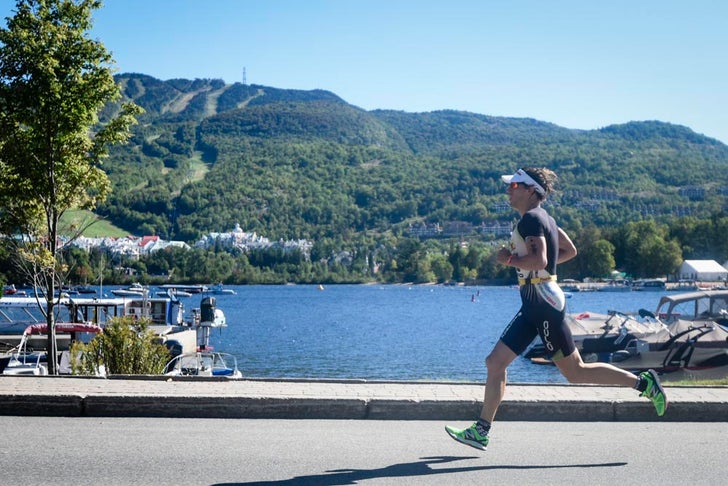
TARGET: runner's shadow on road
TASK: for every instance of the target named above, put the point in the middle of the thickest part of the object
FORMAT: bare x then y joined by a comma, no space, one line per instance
407,469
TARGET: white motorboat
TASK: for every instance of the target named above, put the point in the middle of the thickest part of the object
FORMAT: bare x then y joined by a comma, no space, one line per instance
21,361
616,286
134,290
595,333
687,335
190,289
218,289
694,338
173,293
204,364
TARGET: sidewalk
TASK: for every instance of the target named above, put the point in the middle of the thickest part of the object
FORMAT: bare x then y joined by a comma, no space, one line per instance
355,399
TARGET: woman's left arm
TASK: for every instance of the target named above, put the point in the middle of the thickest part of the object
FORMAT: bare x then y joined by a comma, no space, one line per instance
567,250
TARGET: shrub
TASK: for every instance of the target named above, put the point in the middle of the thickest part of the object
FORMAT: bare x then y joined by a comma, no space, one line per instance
126,347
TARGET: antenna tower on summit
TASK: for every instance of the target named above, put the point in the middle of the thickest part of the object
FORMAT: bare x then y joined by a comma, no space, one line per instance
245,81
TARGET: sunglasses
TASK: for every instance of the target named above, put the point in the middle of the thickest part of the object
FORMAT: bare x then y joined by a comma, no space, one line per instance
514,185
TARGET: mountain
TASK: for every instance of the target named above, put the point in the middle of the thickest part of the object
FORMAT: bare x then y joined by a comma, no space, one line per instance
306,164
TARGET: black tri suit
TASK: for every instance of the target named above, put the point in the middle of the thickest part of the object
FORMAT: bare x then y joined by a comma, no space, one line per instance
543,307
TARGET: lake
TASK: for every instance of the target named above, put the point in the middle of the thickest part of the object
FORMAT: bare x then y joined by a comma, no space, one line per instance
384,332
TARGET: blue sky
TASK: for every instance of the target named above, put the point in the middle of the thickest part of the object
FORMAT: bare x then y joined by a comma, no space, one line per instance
576,63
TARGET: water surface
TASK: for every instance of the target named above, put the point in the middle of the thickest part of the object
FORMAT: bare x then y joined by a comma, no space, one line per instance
392,332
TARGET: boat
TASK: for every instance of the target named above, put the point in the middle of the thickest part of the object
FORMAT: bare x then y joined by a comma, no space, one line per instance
204,363
569,285
192,289
698,350
597,335
179,332
24,363
68,290
616,286
9,289
134,290
697,307
690,338
651,284
21,361
173,293
218,289
684,285
85,289
19,312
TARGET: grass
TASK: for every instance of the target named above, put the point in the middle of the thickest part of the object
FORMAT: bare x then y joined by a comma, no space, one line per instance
719,382
95,227
198,168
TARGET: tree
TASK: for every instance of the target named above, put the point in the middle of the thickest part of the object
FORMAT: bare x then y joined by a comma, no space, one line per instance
595,256
441,268
647,249
54,80
600,259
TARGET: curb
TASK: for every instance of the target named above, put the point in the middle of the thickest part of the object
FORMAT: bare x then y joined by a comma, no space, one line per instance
344,400
348,409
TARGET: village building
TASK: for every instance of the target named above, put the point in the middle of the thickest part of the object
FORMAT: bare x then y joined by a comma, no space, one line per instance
702,271
135,247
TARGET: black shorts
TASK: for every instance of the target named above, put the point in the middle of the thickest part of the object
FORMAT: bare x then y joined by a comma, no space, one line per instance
544,321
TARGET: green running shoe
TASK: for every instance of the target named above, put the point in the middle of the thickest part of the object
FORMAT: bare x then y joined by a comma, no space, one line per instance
469,436
654,391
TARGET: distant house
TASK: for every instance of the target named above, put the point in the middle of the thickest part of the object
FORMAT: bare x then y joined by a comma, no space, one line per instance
457,228
702,271
425,230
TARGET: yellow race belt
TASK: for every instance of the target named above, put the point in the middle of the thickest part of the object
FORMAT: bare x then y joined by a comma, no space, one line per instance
536,280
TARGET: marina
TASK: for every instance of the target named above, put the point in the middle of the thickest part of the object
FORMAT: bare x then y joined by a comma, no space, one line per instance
23,328
380,332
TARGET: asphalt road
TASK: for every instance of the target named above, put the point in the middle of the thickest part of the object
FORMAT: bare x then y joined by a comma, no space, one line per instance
125,451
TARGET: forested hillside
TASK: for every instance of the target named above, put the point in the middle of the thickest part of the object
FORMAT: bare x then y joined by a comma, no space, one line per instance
306,164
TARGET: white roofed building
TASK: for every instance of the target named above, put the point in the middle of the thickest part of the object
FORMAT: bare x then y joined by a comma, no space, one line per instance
134,247
702,271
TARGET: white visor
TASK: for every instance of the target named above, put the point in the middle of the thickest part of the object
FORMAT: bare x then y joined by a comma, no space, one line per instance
521,176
